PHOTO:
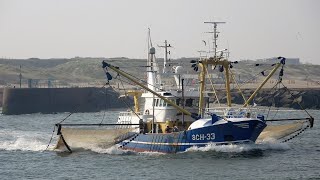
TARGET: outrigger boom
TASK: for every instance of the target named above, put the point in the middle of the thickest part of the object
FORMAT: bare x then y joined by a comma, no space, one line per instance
116,69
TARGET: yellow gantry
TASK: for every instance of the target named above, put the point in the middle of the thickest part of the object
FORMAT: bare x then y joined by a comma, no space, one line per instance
203,64
136,95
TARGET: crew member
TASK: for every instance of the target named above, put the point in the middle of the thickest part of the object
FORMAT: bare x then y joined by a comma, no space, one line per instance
167,130
175,129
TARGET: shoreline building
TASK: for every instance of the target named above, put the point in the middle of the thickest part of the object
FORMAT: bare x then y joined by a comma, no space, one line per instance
289,61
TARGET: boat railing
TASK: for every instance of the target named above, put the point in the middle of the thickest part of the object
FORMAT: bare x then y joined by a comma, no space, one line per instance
231,112
126,113
125,118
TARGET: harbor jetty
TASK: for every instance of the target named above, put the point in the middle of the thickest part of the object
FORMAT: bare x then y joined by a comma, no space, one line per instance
92,99
53,100
74,85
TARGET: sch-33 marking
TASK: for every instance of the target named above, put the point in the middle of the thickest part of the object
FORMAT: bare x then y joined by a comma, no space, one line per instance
201,137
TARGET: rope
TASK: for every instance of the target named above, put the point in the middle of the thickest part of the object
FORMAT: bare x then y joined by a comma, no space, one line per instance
279,82
296,101
214,89
234,79
126,102
253,77
273,88
54,128
104,113
74,109
130,139
296,135
133,138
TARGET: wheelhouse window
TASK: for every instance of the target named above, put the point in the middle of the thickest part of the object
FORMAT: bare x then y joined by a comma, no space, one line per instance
178,102
162,103
189,102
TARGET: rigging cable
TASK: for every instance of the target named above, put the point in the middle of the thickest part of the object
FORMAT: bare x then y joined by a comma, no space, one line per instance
234,79
214,89
254,77
54,127
291,94
124,100
311,119
104,112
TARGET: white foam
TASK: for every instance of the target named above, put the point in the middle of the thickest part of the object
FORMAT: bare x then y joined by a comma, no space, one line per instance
232,148
23,141
23,144
115,150
237,148
149,153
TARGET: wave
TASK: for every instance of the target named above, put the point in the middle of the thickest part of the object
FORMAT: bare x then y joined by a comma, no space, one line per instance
23,144
35,141
23,141
239,148
113,150
232,148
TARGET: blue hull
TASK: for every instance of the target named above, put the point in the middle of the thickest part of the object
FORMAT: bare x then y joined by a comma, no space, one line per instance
228,133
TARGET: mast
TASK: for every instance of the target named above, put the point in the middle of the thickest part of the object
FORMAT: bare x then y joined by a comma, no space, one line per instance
203,65
215,35
215,61
165,60
153,78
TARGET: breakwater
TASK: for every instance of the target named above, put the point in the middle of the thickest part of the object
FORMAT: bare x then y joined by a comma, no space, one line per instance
51,100
307,98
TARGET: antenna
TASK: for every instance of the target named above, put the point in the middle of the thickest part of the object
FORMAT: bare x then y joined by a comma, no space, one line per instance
215,35
202,56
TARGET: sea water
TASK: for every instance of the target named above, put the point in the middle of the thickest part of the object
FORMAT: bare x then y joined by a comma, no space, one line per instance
24,139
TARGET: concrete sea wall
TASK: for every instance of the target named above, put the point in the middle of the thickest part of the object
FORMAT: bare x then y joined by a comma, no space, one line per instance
307,98
51,100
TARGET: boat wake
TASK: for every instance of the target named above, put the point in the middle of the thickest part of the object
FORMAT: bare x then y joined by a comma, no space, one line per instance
233,148
22,141
239,148
37,142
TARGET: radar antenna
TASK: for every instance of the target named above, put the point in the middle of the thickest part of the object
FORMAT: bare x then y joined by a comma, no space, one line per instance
215,35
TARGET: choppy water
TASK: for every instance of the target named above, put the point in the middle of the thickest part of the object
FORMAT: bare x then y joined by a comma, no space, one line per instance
24,137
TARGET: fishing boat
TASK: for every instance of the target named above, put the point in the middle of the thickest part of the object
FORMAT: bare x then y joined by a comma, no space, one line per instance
172,118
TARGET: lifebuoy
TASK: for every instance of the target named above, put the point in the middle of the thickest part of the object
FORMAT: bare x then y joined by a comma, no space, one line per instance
147,112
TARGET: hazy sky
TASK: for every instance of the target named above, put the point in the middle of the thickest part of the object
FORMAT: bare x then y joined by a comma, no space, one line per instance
113,28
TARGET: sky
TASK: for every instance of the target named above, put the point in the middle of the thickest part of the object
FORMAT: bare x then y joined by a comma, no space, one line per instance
254,29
